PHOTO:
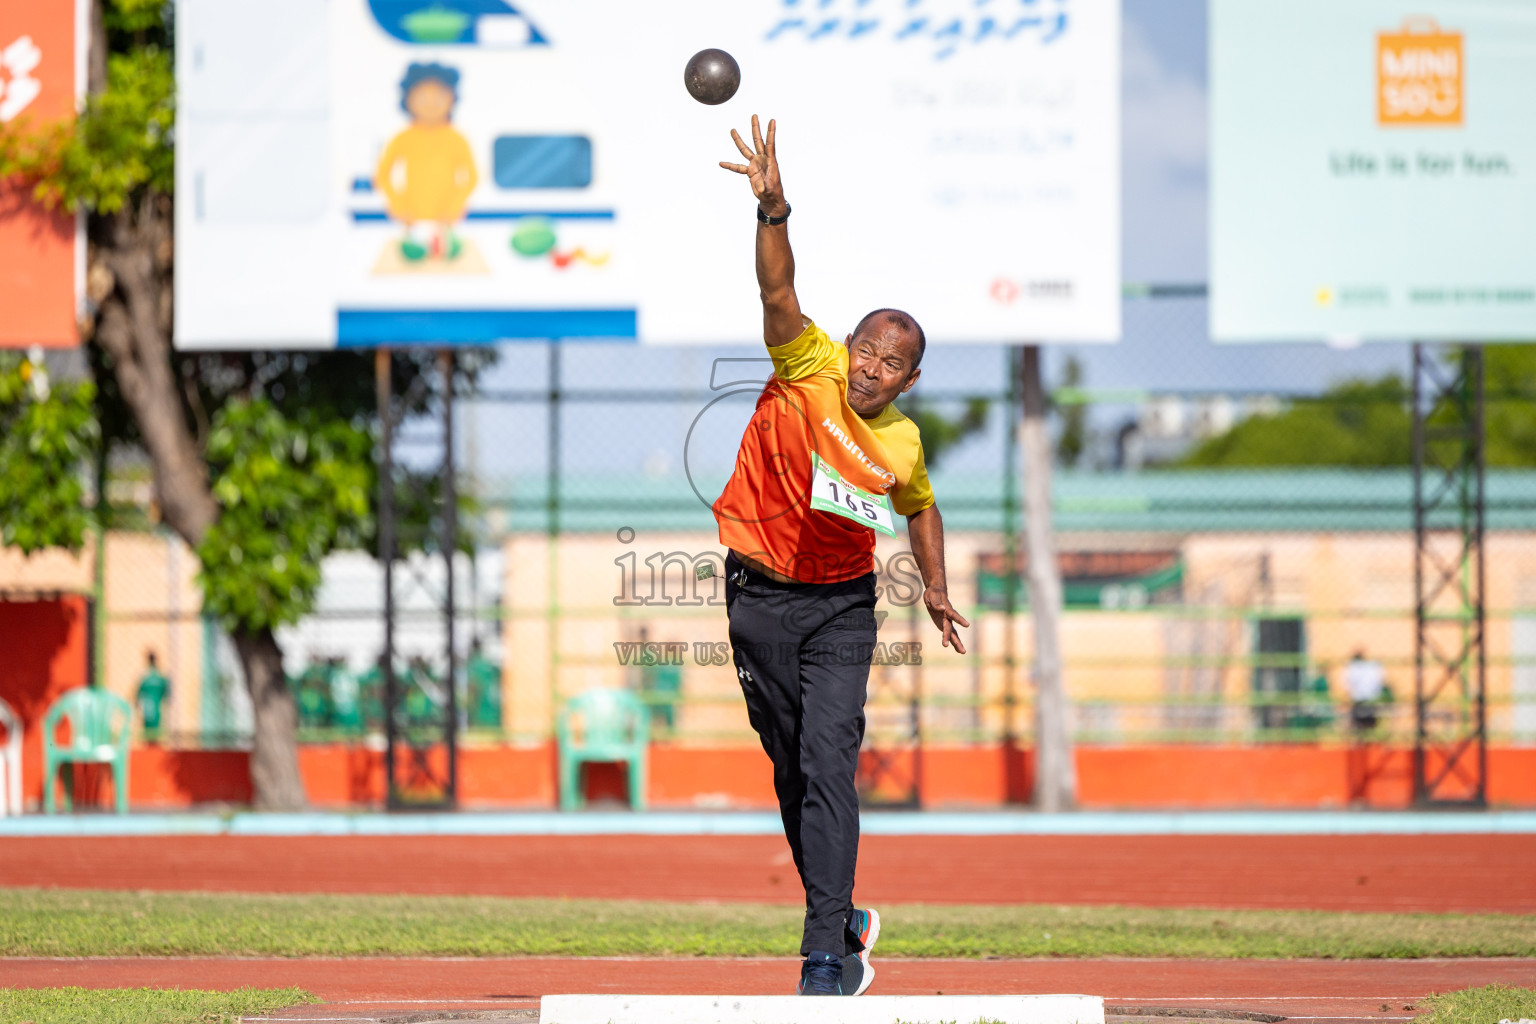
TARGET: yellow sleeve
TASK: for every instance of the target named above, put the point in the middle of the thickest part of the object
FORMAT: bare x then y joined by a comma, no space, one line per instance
916,494
808,354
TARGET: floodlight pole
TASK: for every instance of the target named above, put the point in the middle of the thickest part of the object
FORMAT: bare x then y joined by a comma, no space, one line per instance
409,746
1055,772
1450,757
450,545
1016,790
382,366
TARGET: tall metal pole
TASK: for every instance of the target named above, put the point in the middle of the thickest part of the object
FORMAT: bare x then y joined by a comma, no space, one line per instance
1017,783
450,544
1011,550
1420,619
96,608
382,361
1055,772
1478,509
1450,766
552,538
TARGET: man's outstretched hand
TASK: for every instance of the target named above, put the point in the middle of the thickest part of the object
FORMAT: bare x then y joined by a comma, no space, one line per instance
945,617
761,168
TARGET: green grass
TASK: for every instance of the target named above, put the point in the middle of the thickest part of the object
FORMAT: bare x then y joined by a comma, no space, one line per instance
141,1005
51,922
1487,1005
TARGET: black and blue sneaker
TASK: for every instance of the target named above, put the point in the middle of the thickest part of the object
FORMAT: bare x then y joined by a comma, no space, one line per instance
820,975
864,926
855,977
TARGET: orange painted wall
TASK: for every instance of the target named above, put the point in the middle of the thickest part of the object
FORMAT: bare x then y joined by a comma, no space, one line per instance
1265,776
179,778
721,776
44,645
1512,776
1289,777
37,248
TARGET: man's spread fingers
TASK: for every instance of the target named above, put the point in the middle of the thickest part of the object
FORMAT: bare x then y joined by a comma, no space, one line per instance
736,138
757,135
959,618
738,168
771,128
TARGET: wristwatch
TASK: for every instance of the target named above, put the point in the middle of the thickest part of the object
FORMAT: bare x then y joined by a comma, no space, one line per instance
774,221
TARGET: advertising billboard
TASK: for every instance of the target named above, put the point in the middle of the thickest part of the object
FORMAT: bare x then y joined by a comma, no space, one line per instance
1373,170
364,172
42,254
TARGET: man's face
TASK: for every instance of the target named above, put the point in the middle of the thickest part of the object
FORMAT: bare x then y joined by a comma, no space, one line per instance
429,102
880,367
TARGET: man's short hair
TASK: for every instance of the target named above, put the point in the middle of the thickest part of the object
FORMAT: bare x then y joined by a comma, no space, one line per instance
901,319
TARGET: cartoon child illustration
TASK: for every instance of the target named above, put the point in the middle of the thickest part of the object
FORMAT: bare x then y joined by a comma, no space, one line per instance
427,171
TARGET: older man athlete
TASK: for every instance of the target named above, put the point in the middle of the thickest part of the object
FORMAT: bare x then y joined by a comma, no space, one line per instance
824,464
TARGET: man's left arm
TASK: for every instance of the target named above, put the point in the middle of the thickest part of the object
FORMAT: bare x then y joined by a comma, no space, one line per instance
926,531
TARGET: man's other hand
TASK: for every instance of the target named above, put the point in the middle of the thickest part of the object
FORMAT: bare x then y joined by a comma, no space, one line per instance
761,168
945,617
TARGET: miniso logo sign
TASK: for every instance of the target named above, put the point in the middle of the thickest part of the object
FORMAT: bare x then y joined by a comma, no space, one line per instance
1419,75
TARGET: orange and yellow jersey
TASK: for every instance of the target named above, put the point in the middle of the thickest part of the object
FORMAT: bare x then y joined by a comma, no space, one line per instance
765,511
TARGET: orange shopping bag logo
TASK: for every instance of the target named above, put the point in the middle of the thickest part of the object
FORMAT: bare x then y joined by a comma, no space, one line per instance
1419,75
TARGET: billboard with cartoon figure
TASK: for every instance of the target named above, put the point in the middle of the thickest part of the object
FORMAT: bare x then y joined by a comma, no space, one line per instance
364,172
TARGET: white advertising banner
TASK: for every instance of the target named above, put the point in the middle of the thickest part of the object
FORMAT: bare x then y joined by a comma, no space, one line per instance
366,172
1373,170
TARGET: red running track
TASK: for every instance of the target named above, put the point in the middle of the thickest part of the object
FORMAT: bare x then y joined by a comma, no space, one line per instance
1435,873
1385,990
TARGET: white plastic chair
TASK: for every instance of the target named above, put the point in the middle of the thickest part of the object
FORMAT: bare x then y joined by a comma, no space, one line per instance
10,762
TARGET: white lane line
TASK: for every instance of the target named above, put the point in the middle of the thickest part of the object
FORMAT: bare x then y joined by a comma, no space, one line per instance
1272,999
433,1002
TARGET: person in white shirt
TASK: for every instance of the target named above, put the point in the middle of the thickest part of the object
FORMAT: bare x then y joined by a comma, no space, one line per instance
1366,682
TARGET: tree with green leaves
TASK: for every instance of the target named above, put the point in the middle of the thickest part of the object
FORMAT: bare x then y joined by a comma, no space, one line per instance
1509,382
1072,442
942,433
48,436
262,462
1369,423
1360,423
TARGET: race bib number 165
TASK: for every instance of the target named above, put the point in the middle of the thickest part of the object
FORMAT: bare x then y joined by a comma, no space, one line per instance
830,493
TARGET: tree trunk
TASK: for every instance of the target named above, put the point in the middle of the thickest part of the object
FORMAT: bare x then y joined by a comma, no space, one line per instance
130,280
275,778
131,266
1055,771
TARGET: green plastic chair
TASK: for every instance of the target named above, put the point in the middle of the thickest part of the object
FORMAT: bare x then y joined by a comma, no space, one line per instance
99,724
603,726
346,697
661,685
483,682
312,694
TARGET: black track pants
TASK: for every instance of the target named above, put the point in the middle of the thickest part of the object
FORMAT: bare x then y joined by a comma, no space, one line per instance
802,653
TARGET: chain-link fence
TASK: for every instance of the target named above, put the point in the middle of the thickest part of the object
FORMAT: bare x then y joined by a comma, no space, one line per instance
1209,597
